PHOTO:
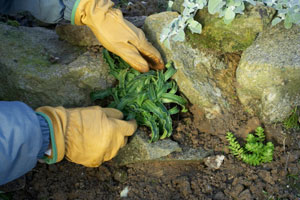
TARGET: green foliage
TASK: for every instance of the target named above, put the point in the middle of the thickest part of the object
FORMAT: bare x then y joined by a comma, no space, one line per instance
175,29
143,96
287,11
13,23
5,196
292,120
255,151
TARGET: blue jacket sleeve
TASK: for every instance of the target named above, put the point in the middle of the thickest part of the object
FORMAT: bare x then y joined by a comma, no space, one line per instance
21,140
49,11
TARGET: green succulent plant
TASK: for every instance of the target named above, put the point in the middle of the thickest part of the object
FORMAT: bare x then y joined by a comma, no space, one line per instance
145,97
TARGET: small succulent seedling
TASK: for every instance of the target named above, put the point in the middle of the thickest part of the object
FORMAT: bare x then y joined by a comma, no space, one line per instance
255,151
143,96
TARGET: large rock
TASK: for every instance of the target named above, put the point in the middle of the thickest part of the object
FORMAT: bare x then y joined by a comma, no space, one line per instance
202,75
139,150
268,74
76,35
234,37
39,69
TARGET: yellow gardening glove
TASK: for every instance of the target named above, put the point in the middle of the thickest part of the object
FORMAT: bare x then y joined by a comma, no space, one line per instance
87,136
117,34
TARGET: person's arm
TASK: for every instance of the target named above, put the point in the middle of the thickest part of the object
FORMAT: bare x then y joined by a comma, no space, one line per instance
23,139
49,11
87,136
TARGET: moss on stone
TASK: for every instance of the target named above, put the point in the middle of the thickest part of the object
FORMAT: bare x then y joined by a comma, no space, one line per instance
13,23
35,61
233,37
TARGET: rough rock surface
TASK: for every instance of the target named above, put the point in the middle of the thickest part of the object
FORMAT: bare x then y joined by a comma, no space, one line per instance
39,69
234,37
139,150
268,74
202,75
76,35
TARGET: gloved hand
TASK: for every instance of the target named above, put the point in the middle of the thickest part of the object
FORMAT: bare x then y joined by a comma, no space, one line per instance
87,136
117,34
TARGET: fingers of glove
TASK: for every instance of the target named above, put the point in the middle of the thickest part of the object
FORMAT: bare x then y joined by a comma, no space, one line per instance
152,56
113,113
125,128
131,55
147,51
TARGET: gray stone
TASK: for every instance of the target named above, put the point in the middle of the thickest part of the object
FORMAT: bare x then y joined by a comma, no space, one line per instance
177,6
245,195
233,37
268,74
214,162
219,196
188,155
76,35
139,150
39,69
120,175
202,75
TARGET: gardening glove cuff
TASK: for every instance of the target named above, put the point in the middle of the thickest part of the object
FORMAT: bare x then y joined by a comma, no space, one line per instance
45,135
87,136
117,34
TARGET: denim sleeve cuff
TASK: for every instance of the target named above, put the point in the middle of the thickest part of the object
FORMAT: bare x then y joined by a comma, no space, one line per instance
45,134
53,158
70,9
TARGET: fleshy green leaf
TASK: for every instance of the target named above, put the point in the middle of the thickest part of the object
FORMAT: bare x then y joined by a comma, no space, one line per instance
141,95
166,43
229,14
215,6
194,26
287,22
276,20
180,36
170,4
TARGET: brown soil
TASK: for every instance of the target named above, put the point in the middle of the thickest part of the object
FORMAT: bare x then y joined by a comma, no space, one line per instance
279,179
233,180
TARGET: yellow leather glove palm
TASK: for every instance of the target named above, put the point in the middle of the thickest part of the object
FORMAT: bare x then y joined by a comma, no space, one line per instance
87,136
117,34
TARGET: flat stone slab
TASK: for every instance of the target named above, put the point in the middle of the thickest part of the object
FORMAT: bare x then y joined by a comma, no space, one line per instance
139,150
